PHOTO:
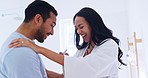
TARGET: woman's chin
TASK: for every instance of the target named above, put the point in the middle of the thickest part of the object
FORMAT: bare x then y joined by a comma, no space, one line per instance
86,41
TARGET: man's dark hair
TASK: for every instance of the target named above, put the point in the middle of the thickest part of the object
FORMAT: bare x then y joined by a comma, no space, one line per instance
39,7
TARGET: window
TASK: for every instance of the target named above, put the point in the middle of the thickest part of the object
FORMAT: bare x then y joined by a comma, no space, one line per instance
67,36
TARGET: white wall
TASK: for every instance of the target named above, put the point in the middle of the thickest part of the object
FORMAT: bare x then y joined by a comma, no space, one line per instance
113,12
138,17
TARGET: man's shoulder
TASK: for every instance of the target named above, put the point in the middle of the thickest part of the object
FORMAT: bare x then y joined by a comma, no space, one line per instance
19,51
21,55
23,52
20,60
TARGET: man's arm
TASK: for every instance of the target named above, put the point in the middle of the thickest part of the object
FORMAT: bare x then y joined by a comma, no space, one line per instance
23,62
52,74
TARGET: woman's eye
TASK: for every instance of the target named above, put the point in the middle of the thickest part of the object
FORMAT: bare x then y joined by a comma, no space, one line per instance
81,27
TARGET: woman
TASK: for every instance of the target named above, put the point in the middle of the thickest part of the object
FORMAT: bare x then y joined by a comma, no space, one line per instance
97,57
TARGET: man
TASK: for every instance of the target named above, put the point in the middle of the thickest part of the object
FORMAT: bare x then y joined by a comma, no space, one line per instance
23,62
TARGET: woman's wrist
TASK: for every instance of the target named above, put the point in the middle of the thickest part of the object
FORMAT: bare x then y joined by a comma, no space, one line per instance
41,50
37,48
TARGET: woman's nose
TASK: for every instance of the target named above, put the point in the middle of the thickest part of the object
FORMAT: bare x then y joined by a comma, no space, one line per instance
52,32
78,31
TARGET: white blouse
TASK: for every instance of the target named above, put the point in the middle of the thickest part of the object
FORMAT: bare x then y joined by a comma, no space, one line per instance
101,63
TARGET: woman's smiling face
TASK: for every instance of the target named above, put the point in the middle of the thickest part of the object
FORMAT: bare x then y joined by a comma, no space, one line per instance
82,28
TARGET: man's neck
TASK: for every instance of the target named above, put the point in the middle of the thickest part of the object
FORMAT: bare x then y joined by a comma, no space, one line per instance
27,30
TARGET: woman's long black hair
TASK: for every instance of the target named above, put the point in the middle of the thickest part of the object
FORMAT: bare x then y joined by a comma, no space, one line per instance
99,32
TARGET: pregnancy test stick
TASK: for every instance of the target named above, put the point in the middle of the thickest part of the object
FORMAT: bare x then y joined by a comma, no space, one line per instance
64,51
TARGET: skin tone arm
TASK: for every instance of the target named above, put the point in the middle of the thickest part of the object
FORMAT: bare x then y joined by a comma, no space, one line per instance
52,74
46,52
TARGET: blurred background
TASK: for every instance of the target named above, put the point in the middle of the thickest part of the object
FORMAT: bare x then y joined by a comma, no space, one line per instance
126,18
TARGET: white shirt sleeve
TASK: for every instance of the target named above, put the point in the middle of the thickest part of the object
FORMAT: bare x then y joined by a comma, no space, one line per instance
102,62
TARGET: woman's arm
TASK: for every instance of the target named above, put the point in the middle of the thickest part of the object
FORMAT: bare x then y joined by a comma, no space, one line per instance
52,55
46,52
52,74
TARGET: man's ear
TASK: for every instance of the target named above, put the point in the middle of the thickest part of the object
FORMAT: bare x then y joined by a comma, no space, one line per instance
38,20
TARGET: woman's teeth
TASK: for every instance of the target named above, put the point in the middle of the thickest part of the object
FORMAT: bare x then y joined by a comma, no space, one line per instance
83,35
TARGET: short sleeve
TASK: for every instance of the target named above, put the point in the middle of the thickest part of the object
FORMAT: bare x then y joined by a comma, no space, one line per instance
23,62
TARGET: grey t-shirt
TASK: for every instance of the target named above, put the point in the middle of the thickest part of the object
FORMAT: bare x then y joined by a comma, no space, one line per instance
21,62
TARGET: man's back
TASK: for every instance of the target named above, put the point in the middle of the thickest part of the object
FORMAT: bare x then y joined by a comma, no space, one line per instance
20,62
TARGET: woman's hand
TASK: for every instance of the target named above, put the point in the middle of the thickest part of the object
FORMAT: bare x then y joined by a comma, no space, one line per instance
46,52
64,53
19,42
24,42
